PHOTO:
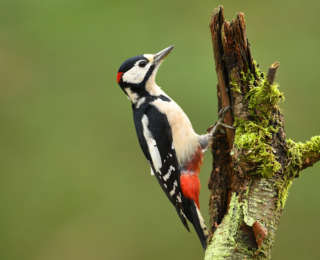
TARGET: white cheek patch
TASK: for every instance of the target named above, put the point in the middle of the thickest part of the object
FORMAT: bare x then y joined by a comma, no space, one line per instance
136,74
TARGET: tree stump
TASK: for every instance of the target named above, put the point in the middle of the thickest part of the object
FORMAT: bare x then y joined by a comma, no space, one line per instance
254,164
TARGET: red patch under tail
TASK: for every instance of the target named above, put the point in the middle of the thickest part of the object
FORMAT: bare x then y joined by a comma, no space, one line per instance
189,180
190,186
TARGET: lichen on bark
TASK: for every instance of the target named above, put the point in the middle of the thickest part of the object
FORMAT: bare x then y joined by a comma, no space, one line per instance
222,246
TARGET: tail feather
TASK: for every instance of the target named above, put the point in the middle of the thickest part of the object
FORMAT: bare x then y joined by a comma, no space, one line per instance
197,221
182,217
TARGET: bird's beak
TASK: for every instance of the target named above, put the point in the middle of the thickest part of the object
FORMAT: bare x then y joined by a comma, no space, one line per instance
158,57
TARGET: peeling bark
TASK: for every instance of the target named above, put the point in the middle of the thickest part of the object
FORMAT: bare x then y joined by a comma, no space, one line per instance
254,165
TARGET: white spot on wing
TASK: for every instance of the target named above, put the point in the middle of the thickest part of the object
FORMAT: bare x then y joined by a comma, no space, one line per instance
172,192
151,171
152,145
179,198
168,174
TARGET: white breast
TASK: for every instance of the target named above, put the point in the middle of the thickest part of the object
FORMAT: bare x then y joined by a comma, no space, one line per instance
185,139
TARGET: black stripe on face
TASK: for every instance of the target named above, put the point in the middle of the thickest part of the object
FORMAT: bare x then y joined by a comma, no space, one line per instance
147,76
140,87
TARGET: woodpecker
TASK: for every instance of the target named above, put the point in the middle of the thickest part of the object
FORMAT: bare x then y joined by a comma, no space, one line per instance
167,138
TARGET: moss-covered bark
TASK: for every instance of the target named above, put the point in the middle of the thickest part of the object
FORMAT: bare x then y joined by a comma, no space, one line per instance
254,165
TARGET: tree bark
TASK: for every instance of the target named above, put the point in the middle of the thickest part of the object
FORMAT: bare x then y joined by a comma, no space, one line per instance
254,164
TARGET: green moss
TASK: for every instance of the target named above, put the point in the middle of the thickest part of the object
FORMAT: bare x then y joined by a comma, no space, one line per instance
262,97
256,151
295,158
300,154
235,87
254,135
309,149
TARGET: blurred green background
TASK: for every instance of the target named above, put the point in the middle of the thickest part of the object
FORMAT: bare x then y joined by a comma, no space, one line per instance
74,183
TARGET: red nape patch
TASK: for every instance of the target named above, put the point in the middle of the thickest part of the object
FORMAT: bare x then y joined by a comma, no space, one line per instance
190,186
119,75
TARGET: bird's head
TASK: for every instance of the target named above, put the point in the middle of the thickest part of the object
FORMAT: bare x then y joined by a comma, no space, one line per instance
136,76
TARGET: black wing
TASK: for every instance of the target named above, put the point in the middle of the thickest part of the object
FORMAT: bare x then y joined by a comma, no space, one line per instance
155,138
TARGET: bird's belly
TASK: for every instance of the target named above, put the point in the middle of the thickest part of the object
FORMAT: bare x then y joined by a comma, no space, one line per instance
185,143
185,140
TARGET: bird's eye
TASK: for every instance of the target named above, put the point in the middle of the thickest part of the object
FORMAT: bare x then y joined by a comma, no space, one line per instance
143,63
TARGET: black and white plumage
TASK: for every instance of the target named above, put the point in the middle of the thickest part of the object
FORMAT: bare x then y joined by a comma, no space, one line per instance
155,138
166,137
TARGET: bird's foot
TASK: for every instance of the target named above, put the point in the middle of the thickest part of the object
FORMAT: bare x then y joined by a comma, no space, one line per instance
214,128
223,112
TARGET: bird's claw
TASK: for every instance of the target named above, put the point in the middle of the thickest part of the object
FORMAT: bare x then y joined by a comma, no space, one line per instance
223,111
213,129
227,126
